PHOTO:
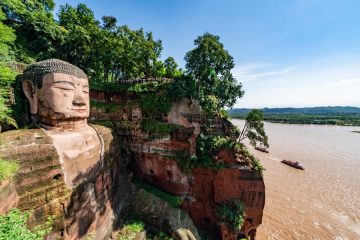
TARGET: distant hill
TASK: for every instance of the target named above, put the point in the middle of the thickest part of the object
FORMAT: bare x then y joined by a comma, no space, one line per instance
306,111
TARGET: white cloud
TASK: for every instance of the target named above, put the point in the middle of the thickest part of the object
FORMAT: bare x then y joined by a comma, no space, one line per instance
345,82
253,72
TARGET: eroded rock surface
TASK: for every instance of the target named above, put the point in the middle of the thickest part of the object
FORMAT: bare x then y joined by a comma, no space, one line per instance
154,162
40,186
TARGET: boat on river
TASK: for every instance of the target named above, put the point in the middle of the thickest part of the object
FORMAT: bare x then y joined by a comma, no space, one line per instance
293,164
262,149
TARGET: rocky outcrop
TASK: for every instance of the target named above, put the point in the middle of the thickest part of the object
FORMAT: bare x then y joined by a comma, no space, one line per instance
159,214
154,160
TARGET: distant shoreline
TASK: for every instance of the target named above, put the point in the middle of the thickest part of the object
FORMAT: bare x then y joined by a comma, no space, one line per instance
309,121
341,116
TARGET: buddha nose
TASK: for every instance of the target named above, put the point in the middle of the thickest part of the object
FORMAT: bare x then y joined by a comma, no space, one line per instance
79,99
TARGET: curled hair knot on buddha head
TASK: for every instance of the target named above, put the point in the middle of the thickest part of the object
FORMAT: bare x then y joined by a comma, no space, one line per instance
35,72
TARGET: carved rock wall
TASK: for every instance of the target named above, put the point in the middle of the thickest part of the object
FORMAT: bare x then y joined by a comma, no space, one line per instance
39,185
153,161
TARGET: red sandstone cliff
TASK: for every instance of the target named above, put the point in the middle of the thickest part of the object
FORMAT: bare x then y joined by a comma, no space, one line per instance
202,188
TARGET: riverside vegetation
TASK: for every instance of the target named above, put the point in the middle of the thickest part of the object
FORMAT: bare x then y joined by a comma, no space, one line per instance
345,116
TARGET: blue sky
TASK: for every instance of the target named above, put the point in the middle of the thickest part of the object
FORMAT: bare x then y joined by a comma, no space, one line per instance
288,53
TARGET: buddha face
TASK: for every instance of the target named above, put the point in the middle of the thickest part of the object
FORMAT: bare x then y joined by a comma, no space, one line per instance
63,98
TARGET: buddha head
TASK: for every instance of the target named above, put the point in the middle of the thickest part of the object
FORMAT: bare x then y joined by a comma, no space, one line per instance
58,93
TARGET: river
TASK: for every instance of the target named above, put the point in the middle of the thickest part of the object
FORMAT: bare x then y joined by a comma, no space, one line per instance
321,202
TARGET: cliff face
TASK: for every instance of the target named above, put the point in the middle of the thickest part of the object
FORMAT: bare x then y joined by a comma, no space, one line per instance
162,153
157,160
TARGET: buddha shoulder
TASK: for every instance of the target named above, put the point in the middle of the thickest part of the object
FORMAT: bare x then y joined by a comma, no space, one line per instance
25,143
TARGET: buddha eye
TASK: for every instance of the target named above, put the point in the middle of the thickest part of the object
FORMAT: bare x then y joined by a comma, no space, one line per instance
63,85
85,89
66,88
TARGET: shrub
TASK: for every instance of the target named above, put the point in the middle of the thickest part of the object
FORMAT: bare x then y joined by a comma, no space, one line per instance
130,230
173,200
13,226
185,161
255,163
156,128
7,169
232,213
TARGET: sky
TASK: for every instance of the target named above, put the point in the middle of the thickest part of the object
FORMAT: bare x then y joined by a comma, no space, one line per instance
287,53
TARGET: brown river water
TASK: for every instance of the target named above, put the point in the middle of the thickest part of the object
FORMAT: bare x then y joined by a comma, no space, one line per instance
321,202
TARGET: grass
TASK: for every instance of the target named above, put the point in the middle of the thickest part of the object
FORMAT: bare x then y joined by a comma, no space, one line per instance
130,230
173,200
133,227
13,226
157,129
184,161
7,169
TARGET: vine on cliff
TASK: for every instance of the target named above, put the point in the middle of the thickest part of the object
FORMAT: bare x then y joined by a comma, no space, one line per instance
232,213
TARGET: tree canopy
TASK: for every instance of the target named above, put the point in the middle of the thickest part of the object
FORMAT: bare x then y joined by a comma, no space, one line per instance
7,75
111,53
211,65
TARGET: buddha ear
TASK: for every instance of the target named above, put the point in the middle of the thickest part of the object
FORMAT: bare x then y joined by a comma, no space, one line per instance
30,93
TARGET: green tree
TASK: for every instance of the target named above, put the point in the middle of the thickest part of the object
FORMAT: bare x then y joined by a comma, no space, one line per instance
211,66
170,67
37,34
7,75
254,129
82,38
138,54
109,22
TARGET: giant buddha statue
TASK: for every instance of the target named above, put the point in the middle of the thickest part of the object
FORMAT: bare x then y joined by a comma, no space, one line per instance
66,166
58,94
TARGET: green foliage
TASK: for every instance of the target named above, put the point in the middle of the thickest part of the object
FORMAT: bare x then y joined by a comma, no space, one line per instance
130,230
157,129
347,116
185,161
183,86
107,107
211,66
149,87
255,163
155,105
231,213
207,147
170,67
7,169
224,114
173,200
7,75
133,227
108,86
254,128
13,226
37,34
